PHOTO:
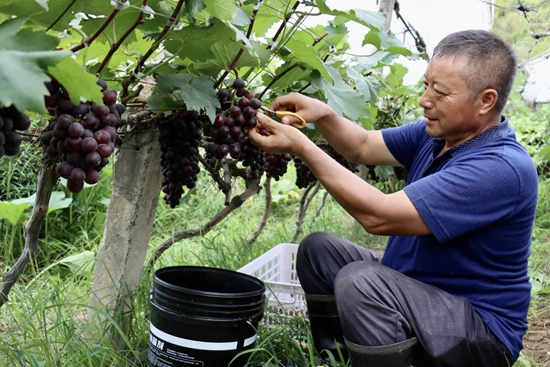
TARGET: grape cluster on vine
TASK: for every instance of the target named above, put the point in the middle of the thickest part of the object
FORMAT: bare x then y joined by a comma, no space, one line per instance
276,165
229,130
11,121
305,177
179,144
82,137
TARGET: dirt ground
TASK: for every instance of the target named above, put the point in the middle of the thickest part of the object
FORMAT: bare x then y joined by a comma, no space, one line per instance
536,343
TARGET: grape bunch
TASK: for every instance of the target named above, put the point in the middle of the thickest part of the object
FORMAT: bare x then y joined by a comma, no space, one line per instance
253,156
305,177
82,137
179,144
230,127
11,120
276,165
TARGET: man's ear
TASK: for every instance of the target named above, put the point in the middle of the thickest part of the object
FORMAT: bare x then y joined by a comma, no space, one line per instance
488,98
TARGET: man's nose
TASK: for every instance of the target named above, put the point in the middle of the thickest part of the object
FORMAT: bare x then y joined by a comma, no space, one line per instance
425,101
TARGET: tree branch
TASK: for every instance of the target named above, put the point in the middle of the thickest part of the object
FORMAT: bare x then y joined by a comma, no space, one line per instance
282,26
88,41
115,46
320,207
252,188
153,48
215,175
267,210
277,77
240,52
46,182
305,200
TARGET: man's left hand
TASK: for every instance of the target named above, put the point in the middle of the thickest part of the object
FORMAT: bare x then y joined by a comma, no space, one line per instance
282,138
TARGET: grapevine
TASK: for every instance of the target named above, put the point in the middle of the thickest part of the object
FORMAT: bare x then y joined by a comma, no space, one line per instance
11,121
81,138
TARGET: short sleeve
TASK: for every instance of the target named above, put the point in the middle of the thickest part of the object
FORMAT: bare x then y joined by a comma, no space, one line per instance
470,194
404,141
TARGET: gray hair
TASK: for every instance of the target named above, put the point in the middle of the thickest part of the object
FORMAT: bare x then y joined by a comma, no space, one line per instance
492,62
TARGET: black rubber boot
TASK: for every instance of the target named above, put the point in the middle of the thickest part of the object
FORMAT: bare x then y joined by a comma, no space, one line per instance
325,326
394,355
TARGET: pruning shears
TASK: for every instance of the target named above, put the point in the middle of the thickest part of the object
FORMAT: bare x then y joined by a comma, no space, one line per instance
280,115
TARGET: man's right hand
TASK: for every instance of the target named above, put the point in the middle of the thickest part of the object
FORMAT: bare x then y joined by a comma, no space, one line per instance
311,109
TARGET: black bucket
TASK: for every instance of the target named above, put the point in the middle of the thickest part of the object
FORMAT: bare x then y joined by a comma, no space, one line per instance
203,316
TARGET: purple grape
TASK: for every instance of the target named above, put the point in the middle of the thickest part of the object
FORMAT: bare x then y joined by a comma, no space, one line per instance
3,138
230,122
240,92
234,151
73,157
240,120
249,112
81,109
224,131
87,134
223,150
64,169
73,144
59,133
105,150
8,124
88,145
77,175
219,120
101,110
255,103
109,97
92,177
11,151
76,130
102,137
13,139
65,104
91,121
93,159
239,84
251,123
244,102
21,121
75,187
103,84
64,121
120,108
235,111
61,148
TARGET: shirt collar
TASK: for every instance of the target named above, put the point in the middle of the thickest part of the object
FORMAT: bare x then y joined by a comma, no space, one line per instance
493,133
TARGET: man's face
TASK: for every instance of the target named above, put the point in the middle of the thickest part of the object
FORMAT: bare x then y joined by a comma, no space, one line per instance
450,111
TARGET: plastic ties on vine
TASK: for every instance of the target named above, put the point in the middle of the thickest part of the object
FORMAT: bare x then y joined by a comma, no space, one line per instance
273,44
120,4
258,4
146,9
332,48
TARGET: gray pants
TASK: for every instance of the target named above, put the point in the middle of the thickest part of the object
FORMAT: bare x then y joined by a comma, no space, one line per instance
380,306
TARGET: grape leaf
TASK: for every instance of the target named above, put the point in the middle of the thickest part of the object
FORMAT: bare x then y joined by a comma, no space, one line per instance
11,38
12,212
221,9
225,53
78,83
340,96
368,86
192,7
196,92
371,19
43,3
194,42
307,55
22,77
290,78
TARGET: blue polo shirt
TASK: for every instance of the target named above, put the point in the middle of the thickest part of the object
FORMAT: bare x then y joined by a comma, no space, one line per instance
479,201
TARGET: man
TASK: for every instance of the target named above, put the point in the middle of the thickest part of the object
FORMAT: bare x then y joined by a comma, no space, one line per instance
453,279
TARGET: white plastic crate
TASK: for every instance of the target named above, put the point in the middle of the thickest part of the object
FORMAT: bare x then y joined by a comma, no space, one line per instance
277,269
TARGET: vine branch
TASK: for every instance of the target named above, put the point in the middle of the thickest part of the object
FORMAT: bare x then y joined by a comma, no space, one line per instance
277,77
115,46
267,210
88,41
308,195
153,48
241,50
252,188
282,26
215,175
46,182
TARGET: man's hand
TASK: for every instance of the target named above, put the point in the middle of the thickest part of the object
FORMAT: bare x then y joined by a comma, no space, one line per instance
281,139
312,110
